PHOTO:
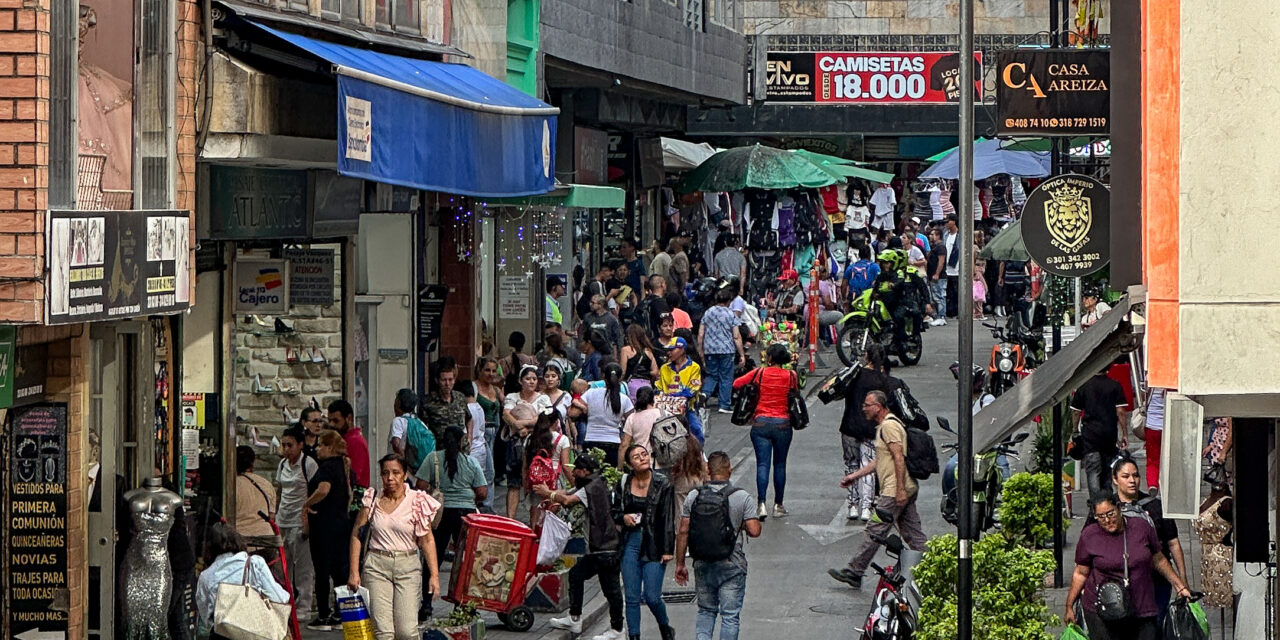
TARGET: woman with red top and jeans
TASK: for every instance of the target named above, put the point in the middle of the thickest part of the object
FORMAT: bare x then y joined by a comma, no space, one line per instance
771,426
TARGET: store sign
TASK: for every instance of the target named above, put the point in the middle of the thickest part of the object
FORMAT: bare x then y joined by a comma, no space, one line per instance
250,203
108,265
854,77
431,299
1053,92
1066,225
359,114
8,364
591,156
310,276
261,286
36,523
513,297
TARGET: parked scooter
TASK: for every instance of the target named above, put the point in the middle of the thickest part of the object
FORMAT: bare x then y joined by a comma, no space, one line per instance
990,470
1013,357
897,600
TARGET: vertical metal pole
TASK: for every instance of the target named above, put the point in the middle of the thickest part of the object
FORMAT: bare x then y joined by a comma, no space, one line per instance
964,500
1059,539
1078,304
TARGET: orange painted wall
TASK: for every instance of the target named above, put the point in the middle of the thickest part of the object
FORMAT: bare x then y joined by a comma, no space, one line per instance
1160,147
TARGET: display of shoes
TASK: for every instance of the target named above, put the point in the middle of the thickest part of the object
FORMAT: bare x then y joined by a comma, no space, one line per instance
284,387
289,417
317,357
290,355
281,327
258,387
258,320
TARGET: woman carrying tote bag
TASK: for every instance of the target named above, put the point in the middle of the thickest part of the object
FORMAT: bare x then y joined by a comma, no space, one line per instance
230,611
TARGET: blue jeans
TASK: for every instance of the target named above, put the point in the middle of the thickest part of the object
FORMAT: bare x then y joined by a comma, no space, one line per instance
721,588
642,581
719,373
771,439
695,426
939,289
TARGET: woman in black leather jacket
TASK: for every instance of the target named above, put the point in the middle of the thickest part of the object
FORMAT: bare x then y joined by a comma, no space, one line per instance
644,506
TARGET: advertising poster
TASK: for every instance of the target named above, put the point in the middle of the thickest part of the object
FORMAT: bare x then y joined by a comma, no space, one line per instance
37,522
310,276
261,286
117,264
864,77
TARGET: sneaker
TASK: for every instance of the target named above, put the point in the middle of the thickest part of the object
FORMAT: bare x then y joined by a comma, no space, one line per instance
724,410
320,624
567,623
846,576
335,620
938,322
762,512
867,512
780,511
611,634
855,512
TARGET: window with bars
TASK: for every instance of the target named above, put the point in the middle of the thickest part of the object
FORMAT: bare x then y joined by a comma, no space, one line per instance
155,146
723,12
693,14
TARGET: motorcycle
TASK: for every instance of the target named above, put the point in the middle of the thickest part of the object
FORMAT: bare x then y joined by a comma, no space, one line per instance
1015,354
897,600
871,322
990,470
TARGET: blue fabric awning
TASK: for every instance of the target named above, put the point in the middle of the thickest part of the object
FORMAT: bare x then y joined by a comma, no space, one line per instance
434,125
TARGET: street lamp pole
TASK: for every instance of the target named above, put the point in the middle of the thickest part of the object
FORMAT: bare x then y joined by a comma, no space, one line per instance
964,501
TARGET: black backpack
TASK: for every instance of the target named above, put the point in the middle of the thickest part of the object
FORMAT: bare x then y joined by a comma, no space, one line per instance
922,456
712,536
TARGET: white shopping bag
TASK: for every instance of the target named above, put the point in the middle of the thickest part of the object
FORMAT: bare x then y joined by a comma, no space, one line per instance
555,535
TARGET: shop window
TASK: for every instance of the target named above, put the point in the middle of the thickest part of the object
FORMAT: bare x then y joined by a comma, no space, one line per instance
693,14
156,142
345,10
401,15
104,76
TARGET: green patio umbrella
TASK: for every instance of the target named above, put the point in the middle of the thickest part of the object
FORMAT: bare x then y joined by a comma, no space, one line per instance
844,168
1007,245
755,167
820,158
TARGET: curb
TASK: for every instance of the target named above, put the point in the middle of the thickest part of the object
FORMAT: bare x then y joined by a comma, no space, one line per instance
592,611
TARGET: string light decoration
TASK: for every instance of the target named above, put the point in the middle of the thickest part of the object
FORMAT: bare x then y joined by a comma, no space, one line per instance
528,234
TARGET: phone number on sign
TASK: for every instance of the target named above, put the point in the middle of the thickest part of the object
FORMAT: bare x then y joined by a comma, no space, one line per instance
1061,123
877,86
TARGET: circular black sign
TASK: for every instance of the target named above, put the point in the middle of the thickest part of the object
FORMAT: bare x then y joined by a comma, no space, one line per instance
1066,225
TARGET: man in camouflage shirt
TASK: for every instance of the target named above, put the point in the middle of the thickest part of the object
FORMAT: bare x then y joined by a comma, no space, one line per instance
443,406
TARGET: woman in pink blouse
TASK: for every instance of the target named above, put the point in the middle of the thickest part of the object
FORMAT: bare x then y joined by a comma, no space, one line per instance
399,520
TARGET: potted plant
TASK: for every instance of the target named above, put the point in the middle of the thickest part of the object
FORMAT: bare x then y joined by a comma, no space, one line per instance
463,623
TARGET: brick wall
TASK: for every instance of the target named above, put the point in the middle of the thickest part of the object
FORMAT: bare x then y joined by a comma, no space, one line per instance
24,156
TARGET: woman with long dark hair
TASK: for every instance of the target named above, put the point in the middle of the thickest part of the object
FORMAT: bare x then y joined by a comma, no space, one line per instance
326,519
641,365
771,430
548,440
605,408
224,558
399,520
552,375
459,478
644,506
690,471
639,425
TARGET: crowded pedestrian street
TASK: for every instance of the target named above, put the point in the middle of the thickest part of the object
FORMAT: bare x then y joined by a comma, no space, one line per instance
638,320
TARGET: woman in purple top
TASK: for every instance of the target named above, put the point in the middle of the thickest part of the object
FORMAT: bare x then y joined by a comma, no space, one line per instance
1101,557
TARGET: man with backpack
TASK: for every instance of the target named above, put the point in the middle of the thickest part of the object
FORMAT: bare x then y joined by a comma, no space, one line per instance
898,489
713,518
859,275
410,437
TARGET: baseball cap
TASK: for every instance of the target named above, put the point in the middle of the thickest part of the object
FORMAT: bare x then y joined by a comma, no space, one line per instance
789,274
738,305
678,343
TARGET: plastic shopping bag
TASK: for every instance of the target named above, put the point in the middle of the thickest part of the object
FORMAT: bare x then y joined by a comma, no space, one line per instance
354,609
1181,623
555,535
1197,612
1072,632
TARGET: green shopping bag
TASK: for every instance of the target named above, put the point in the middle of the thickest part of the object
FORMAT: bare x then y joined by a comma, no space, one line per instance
1197,612
1073,632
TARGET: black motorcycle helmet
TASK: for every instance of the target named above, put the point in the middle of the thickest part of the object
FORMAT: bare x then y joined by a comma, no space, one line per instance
979,376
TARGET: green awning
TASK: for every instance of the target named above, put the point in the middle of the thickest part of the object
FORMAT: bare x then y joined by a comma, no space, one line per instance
573,196
849,171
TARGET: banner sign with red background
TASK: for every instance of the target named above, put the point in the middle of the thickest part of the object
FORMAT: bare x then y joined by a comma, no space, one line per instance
864,77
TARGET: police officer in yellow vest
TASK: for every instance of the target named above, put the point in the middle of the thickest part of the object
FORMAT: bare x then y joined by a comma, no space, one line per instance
555,290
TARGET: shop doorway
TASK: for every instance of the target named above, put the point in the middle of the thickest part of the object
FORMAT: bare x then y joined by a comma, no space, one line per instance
121,450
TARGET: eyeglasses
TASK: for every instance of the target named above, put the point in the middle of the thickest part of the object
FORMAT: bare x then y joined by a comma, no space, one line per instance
1108,516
